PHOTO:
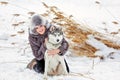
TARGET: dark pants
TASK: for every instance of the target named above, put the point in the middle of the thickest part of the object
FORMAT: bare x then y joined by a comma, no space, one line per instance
39,67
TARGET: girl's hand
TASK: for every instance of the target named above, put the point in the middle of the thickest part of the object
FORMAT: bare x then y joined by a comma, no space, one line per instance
53,52
46,39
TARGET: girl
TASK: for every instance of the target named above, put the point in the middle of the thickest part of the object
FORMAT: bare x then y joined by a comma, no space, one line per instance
37,37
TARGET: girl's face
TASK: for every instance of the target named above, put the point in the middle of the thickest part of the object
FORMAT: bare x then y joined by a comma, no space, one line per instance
41,29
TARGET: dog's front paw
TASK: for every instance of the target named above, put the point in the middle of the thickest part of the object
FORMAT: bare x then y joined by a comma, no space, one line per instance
45,78
65,73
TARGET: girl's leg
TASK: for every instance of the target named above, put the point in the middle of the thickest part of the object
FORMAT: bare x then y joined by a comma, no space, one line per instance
39,67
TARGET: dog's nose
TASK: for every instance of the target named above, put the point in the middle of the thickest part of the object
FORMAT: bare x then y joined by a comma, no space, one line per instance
57,40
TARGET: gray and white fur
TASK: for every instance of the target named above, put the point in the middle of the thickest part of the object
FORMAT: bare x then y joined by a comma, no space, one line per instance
54,65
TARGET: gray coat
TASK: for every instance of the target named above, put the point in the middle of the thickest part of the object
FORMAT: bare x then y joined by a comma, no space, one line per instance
37,44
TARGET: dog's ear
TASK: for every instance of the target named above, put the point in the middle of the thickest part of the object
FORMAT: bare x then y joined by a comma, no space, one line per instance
52,28
60,29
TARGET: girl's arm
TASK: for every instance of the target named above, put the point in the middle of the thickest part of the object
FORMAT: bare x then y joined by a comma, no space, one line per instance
37,49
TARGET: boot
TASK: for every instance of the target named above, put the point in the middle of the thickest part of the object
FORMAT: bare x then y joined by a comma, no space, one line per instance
31,64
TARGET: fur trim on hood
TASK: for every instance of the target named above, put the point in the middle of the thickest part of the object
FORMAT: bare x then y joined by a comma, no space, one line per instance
36,21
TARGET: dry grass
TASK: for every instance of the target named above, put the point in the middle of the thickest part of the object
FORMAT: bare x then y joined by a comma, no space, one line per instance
16,24
21,32
114,22
16,15
73,31
3,3
109,43
31,13
83,49
77,33
22,22
97,2
13,35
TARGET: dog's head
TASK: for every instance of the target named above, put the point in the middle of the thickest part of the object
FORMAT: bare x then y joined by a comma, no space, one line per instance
55,35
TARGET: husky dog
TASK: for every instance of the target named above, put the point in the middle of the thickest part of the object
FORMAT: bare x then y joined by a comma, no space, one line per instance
54,64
